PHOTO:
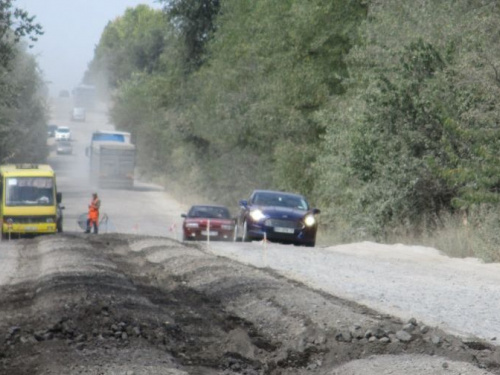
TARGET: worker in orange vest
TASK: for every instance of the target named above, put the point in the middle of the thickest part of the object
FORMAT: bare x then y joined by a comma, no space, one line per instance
93,217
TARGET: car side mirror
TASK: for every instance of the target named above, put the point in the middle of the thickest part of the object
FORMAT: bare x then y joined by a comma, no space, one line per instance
59,198
316,211
183,215
243,203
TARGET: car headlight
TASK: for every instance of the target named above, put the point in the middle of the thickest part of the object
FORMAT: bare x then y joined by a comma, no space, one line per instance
192,225
50,220
309,220
257,215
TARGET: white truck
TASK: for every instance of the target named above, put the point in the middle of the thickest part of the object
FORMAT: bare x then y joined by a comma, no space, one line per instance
112,160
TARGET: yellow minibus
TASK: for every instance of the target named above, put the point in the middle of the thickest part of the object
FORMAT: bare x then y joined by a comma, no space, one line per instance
30,203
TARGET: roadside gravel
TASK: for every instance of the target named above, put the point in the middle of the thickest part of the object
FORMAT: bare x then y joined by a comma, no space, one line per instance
9,261
408,365
461,296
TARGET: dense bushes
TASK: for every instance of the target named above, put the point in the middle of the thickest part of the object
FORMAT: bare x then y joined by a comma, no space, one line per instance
416,133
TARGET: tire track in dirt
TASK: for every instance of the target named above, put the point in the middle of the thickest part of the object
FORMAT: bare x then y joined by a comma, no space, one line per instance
303,320
118,303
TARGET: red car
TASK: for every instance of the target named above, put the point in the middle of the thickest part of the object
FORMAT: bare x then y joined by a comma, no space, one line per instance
204,221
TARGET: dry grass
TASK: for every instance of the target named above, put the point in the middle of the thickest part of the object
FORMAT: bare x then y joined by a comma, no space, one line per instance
475,235
478,236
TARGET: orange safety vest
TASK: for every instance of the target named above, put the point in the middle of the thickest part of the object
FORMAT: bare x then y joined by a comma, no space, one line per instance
94,210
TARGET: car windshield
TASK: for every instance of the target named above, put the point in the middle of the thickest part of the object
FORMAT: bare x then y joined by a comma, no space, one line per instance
280,200
63,130
209,212
29,191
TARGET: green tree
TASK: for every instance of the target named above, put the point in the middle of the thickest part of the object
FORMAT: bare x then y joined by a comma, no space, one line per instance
416,133
22,113
15,24
131,43
272,66
196,21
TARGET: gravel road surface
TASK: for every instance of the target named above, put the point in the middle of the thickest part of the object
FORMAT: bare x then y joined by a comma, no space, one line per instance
461,296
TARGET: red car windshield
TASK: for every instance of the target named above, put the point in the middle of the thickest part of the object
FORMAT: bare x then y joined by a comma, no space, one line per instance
209,212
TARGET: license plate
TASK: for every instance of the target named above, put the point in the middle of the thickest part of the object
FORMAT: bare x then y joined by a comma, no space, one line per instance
284,230
211,233
30,229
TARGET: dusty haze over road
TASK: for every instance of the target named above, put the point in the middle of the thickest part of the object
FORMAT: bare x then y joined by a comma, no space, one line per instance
72,31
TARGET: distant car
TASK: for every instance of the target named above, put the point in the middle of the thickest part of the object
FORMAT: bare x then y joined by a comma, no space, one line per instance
78,114
277,216
64,147
63,133
51,130
207,221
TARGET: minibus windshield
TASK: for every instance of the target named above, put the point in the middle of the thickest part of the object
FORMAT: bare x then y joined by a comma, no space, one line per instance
29,191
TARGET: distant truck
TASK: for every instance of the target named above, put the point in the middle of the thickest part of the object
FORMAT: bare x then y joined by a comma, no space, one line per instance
29,201
112,160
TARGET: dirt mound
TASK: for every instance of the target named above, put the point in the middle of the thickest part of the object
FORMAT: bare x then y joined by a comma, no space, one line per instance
143,305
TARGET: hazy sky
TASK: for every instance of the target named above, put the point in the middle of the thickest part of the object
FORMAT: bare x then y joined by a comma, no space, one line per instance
72,30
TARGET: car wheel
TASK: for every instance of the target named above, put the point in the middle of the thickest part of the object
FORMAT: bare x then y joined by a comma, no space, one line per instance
244,235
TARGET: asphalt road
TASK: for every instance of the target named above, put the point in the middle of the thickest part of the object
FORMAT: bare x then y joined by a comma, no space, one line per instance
147,209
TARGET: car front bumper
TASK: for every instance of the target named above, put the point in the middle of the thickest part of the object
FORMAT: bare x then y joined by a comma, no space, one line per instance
31,228
259,231
213,235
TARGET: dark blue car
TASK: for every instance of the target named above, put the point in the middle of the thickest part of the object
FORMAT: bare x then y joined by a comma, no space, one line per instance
277,216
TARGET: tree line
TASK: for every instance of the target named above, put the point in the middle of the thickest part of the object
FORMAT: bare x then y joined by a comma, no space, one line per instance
384,114
23,112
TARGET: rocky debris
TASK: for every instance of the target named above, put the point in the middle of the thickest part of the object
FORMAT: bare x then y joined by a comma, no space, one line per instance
424,329
165,313
357,332
376,332
108,327
344,336
435,339
403,335
477,344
